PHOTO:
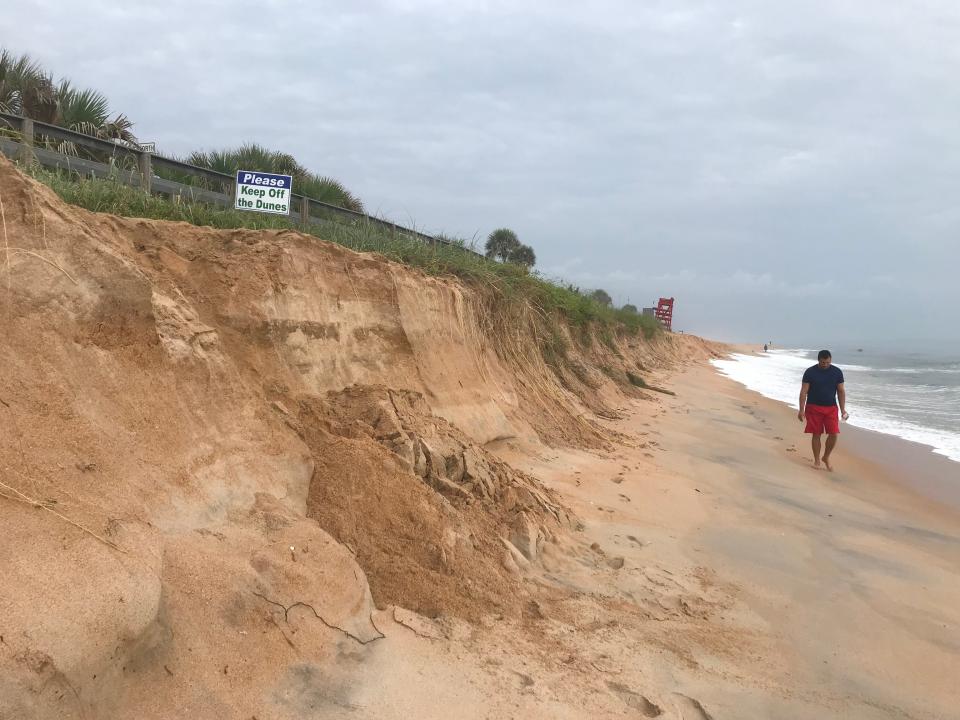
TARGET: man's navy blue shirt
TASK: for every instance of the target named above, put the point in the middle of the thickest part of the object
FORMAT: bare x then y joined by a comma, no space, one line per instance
823,384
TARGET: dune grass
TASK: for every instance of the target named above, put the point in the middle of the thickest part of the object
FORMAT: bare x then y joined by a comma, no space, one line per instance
511,282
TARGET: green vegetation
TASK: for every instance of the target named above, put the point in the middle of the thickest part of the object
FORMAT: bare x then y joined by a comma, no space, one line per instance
257,157
504,244
511,289
27,89
500,243
510,283
602,297
523,255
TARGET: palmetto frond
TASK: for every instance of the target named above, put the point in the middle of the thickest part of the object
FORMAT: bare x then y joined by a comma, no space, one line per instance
120,128
77,109
25,89
330,191
248,157
256,157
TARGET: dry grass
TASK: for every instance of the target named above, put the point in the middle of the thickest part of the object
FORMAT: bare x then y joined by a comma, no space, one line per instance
24,498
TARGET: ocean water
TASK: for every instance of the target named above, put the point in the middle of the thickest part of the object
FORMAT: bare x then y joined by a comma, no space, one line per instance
914,396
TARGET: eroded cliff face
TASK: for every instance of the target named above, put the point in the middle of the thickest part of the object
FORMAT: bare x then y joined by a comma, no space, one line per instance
208,436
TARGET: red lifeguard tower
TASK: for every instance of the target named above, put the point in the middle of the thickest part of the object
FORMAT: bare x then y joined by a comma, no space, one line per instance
664,312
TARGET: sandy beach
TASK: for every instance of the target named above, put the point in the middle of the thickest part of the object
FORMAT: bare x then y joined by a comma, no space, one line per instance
842,586
738,582
767,589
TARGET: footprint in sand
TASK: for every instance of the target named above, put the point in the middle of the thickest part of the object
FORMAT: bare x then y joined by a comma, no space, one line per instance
691,709
777,437
635,700
623,497
617,480
523,679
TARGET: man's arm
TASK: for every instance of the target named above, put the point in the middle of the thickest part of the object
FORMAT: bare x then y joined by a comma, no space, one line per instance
842,399
804,389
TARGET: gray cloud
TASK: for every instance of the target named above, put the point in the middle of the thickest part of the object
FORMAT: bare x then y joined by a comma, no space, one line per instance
783,170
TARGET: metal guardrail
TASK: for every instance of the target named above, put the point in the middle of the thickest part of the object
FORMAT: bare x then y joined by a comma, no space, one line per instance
25,150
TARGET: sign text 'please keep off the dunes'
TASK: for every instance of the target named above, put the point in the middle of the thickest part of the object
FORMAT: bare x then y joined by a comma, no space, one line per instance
263,192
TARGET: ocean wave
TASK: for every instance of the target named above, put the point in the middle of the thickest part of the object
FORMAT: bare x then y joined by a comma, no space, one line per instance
805,355
948,370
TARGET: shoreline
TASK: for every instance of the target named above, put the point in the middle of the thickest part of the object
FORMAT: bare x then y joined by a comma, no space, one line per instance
913,465
855,570
801,594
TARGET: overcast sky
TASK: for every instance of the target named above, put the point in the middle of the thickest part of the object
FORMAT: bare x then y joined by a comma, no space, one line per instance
786,170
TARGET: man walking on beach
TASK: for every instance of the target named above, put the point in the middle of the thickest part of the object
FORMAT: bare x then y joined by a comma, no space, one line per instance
822,385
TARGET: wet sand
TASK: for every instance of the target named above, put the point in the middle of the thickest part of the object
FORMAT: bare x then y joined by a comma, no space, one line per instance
906,463
856,571
829,594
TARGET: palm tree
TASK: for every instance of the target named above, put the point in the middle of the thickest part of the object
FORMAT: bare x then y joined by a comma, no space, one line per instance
25,89
602,297
500,243
88,112
523,255
248,157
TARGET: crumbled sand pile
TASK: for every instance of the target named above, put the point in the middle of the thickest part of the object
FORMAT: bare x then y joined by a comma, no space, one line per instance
439,524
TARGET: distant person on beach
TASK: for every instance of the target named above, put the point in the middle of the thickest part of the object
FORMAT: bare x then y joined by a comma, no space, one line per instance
764,347
822,386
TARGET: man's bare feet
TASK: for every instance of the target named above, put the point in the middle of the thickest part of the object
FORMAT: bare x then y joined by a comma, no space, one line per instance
826,461
816,463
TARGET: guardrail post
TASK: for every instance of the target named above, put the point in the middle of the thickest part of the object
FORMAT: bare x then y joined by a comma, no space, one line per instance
146,171
26,141
305,211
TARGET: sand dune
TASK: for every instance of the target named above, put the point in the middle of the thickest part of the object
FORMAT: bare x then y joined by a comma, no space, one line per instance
248,474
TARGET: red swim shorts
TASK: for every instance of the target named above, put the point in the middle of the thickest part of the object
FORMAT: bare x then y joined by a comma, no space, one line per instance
822,418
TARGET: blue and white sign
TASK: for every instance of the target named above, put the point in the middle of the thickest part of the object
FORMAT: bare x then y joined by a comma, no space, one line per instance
263,192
